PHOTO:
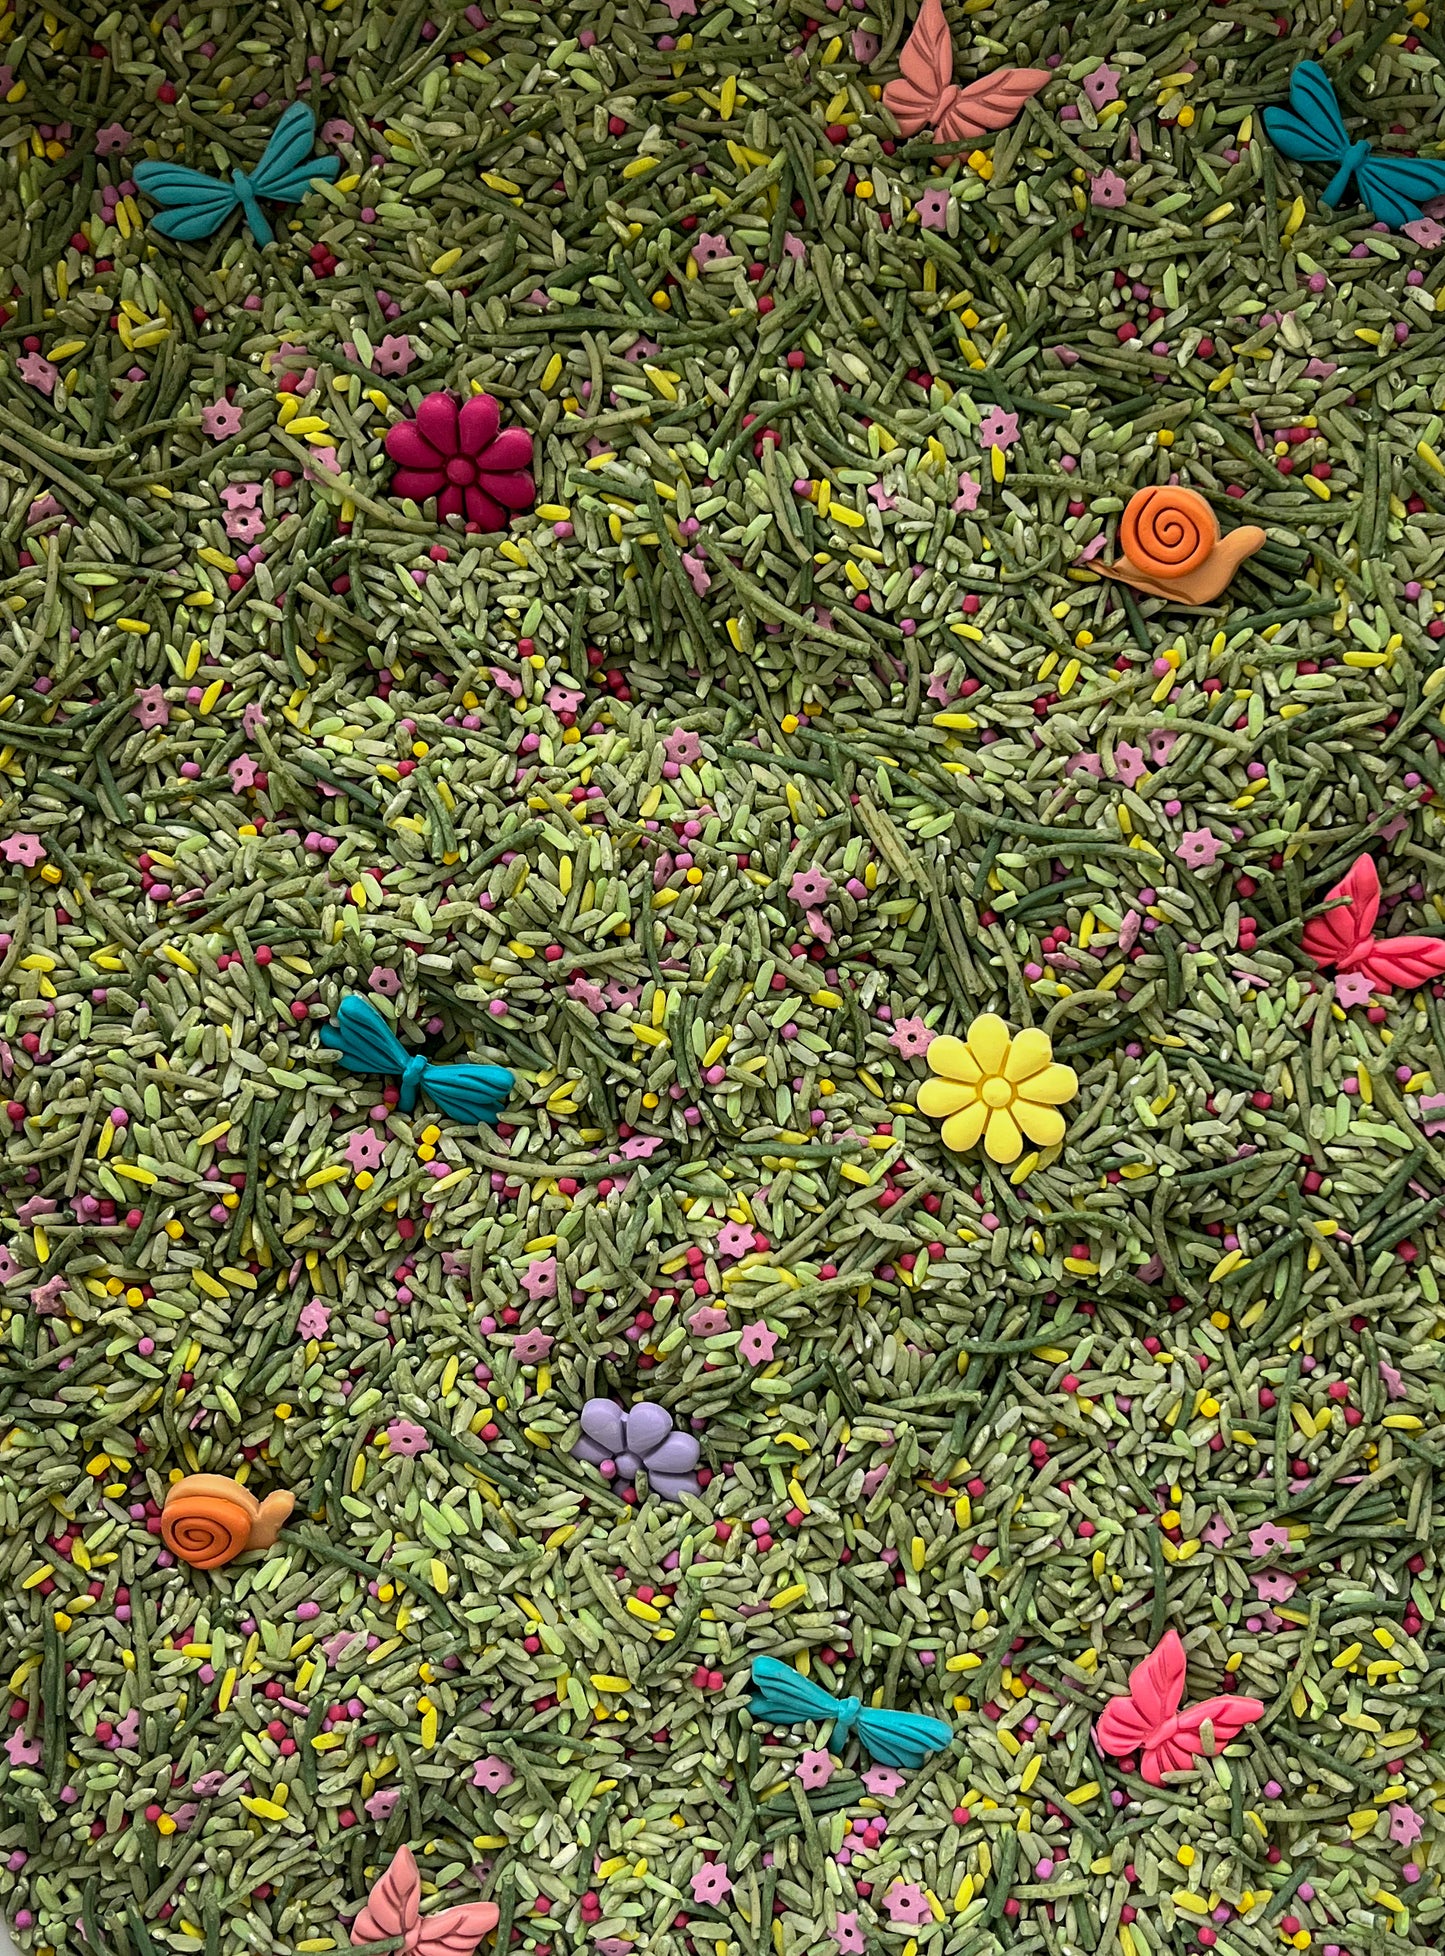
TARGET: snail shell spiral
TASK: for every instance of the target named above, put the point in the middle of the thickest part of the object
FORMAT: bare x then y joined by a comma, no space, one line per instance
1168,532
206,1530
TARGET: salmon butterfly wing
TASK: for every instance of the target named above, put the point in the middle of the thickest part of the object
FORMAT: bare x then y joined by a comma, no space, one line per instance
1155,1688
992,103
1402,961
916,98
393,1908
1344,931
456,1931
1226,1717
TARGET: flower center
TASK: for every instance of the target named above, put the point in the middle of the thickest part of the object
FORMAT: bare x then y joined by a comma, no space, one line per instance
996,1092
461,470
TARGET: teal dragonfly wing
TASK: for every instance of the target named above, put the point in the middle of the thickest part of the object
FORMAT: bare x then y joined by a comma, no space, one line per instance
194,205
1312,130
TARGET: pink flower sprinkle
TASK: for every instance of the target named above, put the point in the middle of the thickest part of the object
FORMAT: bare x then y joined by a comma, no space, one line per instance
404,1436
710,1883
815,1769
708,248
365,1149
492,1774
1108,191
150,707
911,1037
998,429
1199,848
315,1319
757,1343
221,420
26,850
37,372
539,1279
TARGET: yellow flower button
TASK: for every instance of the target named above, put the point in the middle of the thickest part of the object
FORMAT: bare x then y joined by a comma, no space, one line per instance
998,1089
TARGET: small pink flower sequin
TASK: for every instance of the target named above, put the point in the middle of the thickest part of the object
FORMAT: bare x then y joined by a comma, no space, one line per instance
37,372
26,850
315,1319
757,1343
1108,191
998,429
221,420
150,707
1199,848
911,1037
710,1883
539,1279
1102,85
708,248
404,1436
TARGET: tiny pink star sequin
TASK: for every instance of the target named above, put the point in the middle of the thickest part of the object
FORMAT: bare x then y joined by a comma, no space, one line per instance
757,1343
531,1347
1394,1381
1218,1532
906,1902
695,565
26,850
710,1883
243,771
968,492
539,1279
37,372
1268,1539
682,746
932,209
395,355
998,429
1275,1588
241,495
734,1239
847,1935
707,1321
815,1769
1353,988
382,1803
404,1436
492,1774
314,1320
882,1782
1129,766
150,707
1406,1825
384,979
113,140
221,420
365,1149
1108,191
1199,848
1102,85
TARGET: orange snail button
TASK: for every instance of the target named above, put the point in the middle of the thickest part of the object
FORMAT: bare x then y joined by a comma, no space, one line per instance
1172,546
208,1520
